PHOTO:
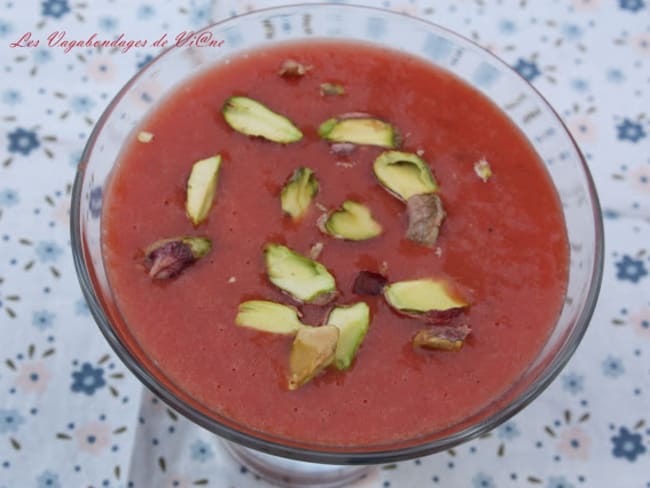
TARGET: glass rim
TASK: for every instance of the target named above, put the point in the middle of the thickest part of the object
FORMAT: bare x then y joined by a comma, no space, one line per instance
316,454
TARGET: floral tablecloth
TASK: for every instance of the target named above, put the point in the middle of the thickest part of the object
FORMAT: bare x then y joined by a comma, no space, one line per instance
71,415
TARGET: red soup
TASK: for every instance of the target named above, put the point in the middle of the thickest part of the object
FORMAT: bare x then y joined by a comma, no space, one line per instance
502,244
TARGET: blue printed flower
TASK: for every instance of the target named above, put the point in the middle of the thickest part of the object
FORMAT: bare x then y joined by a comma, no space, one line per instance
612,367
10,420
558,482
95,203
201,451
573,383
108,23
572,32
81,104
485,74
22,141
527,69
144,61
75,158
48,251
145,12
81,307
87,379
508,431
631,5
580,85
615,75
630,131
627,445
5,28
435,47
48,479
11,97
630,269
43,319
507,26
8,197
41,56
199,13
482,480
55,8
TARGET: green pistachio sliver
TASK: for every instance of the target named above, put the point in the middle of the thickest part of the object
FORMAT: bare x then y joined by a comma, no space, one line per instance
302,278
353,221
252,118
428,299
352,322
404,174
200,188
267,316
313,349
298,192
360,129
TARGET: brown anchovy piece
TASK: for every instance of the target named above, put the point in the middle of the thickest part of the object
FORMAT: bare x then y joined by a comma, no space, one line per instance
167,258
444,338
292,68
425,214
369,283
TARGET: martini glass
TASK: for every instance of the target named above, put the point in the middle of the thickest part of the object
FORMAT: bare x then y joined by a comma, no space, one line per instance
280,460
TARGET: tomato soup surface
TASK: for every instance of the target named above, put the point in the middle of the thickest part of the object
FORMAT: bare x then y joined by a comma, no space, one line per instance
503,241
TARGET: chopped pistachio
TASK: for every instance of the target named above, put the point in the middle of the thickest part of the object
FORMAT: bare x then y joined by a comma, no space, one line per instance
360,129
404,174
342,148
313,349
252,118
167,258
331,89
427,299
352,322
298,192
292,69
444,338
268,316
353,221
315,250
302,278
369,283
483,170
200,188
346,164
425,214
145,137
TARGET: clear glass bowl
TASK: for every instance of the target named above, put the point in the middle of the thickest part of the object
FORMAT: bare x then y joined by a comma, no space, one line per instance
517,98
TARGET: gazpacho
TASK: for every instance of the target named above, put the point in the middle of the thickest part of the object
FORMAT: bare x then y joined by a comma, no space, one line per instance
335,244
